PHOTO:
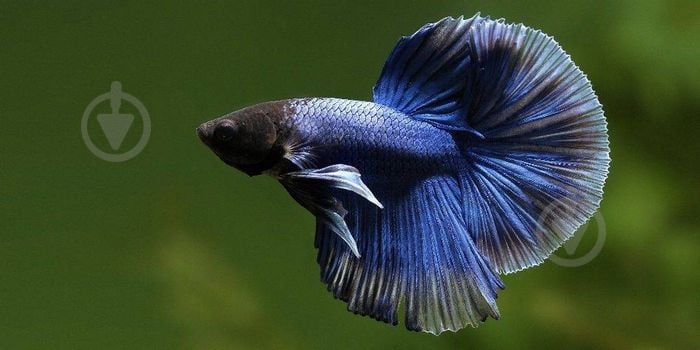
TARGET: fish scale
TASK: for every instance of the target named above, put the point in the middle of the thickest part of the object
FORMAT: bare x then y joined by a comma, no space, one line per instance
371,137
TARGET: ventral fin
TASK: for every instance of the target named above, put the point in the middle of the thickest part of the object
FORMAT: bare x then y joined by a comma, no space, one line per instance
425,75
313,189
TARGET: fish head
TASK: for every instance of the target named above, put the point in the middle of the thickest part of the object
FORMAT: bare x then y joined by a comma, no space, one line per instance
245,139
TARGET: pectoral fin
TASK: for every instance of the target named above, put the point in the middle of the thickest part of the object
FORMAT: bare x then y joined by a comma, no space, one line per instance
313,189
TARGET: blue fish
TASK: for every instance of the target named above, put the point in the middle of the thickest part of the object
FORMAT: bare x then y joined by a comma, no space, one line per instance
483,150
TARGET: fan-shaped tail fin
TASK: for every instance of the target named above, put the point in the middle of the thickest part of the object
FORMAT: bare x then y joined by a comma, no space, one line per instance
535,169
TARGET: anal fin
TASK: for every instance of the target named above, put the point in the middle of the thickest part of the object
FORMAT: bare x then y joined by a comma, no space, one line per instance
415,251
313,189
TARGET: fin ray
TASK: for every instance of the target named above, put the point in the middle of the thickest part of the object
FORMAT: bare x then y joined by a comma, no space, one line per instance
436,270
538,133
540,171
424,75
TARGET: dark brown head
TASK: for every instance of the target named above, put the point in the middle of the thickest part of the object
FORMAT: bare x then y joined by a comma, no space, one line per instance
246,139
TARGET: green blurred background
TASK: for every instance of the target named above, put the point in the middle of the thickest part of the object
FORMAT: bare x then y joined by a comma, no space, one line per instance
174,250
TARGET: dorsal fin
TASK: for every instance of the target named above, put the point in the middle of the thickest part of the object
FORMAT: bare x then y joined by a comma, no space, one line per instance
425,75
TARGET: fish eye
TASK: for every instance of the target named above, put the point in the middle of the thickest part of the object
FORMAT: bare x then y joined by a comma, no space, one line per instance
224,132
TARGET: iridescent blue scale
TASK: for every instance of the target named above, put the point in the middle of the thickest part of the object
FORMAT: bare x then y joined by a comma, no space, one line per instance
377,140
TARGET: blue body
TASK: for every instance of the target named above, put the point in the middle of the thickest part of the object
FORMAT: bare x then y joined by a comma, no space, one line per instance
379,141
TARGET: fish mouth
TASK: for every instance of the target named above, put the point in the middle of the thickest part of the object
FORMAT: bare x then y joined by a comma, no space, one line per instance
205,134
202,133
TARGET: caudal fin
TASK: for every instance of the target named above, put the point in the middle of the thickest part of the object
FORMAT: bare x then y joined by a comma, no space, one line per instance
537,156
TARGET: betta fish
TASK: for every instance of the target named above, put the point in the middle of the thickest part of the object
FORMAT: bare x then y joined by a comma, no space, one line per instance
483,150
